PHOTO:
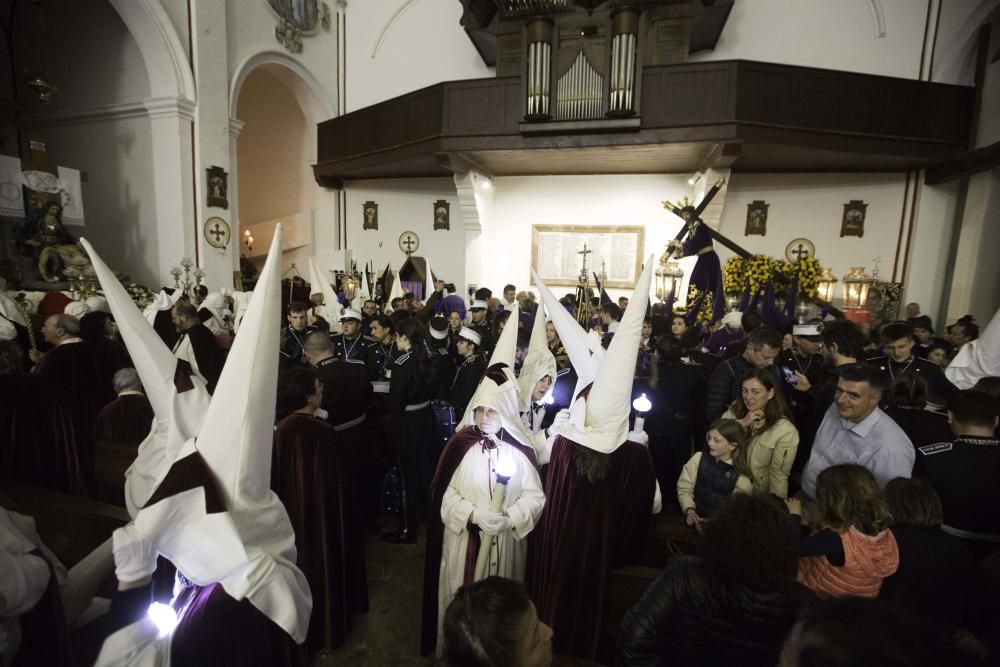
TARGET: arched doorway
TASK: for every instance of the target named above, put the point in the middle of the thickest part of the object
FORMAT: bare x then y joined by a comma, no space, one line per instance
276,106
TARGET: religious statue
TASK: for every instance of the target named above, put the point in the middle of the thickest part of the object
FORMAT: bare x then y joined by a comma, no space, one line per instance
51,245
706,300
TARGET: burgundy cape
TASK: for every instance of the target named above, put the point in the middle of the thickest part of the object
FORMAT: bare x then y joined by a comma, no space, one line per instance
71,380
585,532
454,451
127,420
312,474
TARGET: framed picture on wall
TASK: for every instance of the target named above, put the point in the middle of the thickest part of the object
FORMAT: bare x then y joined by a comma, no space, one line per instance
757,218
370,213
218,187
556,253
442,215
853,223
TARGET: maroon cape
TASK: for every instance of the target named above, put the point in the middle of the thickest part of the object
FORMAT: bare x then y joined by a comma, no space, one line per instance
585,532
126,420
312,474
454,451
72,381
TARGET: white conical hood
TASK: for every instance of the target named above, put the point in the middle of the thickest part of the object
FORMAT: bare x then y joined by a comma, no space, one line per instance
243,539
584,350
428,281
539,362
179,414
318,284
978,358
397,288
600,421
498,390
504,352
163,301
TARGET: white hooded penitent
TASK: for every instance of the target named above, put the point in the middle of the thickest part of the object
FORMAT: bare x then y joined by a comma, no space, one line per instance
539,362
214,515
599,421
177,395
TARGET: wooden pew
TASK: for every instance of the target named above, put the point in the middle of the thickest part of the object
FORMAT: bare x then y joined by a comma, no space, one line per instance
71,526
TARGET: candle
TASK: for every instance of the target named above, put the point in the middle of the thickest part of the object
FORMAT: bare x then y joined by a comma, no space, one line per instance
642,406
504,470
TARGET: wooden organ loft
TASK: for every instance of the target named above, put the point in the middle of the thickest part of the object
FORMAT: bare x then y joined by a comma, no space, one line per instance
583,60
607,87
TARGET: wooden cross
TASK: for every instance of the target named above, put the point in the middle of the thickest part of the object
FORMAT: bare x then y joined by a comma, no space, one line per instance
217,232
800,252
408,242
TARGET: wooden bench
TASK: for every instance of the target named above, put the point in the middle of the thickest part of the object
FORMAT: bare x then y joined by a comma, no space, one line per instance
71,526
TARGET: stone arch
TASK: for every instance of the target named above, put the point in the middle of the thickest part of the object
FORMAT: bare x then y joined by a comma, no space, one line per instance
166,60
304,86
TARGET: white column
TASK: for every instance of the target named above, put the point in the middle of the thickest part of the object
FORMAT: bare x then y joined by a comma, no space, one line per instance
213,134
235,127
171,123
475,196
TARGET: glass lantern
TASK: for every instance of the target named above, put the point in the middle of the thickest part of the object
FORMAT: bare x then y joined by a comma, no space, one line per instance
350,285
856,286
827,286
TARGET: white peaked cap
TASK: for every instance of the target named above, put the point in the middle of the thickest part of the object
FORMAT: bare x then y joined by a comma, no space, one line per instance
178,414
539,362
470,335
479,303
235,441
600,421
351,314
320,284
978,358
504,352
584,355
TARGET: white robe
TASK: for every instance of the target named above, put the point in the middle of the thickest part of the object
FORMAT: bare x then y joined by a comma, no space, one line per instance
471,489
184,350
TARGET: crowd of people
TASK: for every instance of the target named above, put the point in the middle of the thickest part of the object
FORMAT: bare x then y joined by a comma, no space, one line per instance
839,479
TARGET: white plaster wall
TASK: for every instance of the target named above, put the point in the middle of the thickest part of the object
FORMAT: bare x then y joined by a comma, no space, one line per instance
397,46
94,61
818,33
812,206
407,205
250,28
520,202
931,239
976,287
119,195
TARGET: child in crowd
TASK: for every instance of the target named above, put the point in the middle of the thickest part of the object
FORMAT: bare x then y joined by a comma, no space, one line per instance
853,549
706,480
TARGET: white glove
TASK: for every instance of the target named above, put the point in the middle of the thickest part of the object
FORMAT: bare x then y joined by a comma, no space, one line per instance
320,413
639,436
560,421
483,514
135,557
495,524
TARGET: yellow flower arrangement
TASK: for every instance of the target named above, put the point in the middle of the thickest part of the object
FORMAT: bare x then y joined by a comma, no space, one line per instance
759,269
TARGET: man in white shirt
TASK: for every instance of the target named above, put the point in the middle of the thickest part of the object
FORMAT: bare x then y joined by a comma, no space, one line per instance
855,430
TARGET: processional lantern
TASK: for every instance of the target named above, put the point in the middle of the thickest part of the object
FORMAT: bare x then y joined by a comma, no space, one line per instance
826,286
669,277
856,286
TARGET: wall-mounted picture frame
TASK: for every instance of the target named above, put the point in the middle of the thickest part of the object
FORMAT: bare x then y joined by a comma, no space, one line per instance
369,212
442,214
756,218
218,187
853,224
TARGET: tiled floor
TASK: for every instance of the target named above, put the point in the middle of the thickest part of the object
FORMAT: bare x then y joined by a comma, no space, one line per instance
389,634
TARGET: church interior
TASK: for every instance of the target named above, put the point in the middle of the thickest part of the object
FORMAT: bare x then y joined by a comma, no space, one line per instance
436,207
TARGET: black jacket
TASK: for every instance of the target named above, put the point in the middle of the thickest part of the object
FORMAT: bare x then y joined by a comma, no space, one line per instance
690,616
724,386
